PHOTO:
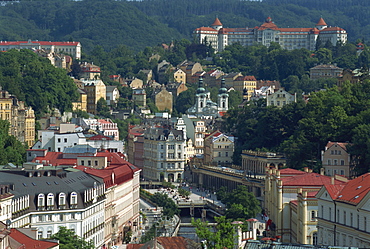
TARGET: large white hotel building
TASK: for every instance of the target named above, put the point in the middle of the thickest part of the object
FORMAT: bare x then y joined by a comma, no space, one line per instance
288,38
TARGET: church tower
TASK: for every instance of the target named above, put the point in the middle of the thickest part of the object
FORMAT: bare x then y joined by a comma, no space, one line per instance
200,97
223,97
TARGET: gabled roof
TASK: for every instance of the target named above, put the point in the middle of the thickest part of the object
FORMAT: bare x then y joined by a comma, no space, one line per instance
355,190
342,145
28,242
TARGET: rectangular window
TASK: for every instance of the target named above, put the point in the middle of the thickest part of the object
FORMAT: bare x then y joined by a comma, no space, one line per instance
226,153
50,217
48,234
96,163
65,140
58,140
82,162
171,155
39,235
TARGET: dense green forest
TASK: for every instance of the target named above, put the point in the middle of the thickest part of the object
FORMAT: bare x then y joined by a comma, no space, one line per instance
302,130
138,24
33,79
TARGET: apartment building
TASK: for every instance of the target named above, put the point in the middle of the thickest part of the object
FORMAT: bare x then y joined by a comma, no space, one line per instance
164,154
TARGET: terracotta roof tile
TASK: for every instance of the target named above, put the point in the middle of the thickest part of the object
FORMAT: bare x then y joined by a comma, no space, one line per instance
355,190
28,242
309,179
321,22
217,22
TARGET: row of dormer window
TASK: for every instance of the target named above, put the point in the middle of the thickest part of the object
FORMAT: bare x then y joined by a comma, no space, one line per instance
49,200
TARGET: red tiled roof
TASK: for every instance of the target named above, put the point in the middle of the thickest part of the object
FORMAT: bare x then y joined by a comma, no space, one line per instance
334,190
332,29
294,202
321,22
29,242
134,246
172,242
206,29
100,137
342,145
217,22
355,190
290,171
46,43
309,180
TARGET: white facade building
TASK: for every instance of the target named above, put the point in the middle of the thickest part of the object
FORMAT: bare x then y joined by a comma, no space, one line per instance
164,154
289,38
344,213
73,48
280,98
47,198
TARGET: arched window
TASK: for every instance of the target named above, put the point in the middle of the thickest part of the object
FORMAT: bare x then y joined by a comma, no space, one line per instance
314,238
41,201
73,200
62,199
50,200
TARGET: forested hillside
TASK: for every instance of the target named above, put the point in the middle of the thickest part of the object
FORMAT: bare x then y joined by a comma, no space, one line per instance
138,24
34,80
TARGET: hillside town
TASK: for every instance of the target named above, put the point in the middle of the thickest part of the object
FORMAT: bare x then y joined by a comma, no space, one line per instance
87,172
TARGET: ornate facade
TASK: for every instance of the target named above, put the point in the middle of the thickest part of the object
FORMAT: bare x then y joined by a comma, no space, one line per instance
204,107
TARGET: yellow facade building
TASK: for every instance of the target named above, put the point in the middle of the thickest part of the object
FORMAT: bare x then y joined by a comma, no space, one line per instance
95,90
245,82
164,100
21,118
290,203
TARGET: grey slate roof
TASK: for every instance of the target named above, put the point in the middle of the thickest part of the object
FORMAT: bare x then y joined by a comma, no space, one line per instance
59,181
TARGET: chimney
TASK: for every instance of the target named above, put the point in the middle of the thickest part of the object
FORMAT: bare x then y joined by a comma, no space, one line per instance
305,169
332,180
322,171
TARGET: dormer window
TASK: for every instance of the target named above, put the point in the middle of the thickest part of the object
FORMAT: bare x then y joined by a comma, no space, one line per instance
41,201
62,199
50,200
73,199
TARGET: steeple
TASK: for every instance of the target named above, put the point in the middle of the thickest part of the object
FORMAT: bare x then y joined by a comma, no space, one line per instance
201,88
223,86
217,24
223,97
321,24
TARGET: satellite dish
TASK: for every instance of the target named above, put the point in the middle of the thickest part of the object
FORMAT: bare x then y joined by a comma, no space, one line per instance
8,222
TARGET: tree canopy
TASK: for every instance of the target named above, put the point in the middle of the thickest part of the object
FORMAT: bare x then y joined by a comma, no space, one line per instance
302,130
220,237
69,240
11,150
35,81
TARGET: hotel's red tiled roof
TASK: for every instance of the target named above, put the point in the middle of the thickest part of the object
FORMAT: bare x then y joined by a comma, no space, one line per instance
321,22
217,22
